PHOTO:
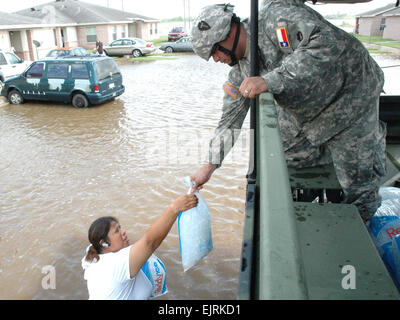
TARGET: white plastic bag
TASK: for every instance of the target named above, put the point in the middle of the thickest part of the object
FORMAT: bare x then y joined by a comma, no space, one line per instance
194,227
155,271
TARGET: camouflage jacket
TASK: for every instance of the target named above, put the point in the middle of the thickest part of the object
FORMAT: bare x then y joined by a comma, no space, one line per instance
322,78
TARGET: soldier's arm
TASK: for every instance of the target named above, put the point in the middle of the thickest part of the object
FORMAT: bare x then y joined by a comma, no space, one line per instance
234,111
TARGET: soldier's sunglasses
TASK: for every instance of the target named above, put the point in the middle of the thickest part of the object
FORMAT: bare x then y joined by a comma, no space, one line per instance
215,48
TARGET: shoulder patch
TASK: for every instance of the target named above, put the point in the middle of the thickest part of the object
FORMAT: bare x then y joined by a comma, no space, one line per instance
283,38
231,90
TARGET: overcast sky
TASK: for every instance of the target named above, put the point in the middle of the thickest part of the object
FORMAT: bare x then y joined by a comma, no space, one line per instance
161,9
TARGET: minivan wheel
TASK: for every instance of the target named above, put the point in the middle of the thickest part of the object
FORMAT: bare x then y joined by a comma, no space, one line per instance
136,53
15,97
80,101
169,50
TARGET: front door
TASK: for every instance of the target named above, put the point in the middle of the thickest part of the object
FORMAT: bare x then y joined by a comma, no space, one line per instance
35,83
132,30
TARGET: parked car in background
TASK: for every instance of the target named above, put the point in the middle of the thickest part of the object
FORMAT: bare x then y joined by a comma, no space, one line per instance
129,46
182,45
176,33
62,52
81,81
11,65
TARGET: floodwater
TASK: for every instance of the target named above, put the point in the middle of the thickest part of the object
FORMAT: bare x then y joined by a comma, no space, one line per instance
61,168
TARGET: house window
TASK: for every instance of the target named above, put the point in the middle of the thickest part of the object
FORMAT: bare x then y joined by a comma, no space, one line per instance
151,28
383,24
155,29
91,34
114,32
123,32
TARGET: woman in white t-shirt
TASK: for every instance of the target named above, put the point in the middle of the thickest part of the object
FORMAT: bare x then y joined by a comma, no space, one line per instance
113,267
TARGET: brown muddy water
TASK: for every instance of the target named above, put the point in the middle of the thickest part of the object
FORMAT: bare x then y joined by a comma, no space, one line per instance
61,168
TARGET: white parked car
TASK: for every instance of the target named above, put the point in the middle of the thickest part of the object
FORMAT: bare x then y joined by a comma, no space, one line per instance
11,65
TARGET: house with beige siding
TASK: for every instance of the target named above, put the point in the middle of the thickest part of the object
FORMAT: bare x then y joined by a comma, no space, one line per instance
384,22
34,31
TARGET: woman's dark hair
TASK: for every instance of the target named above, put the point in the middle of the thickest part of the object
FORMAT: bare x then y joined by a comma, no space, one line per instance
98,231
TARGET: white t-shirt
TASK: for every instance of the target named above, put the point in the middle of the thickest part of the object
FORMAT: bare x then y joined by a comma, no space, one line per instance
109,278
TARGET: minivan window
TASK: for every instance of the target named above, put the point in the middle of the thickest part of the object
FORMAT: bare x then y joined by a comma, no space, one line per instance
57,71
2,59
35,71
104,68
13,58
79,71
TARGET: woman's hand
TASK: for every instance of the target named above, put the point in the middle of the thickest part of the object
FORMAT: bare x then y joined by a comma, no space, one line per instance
184,203
156,233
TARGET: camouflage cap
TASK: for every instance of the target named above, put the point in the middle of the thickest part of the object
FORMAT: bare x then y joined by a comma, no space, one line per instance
210,27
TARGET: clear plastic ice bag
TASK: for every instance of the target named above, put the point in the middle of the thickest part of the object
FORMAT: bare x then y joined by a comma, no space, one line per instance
194,227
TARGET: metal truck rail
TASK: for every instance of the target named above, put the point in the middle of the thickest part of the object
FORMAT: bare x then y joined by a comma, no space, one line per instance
297,249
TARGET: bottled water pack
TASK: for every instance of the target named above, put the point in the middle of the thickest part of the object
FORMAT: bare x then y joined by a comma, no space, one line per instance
155,271
384,228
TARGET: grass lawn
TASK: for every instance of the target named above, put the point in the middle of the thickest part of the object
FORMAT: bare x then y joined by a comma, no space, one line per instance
378,51
158,42
151,57
378,41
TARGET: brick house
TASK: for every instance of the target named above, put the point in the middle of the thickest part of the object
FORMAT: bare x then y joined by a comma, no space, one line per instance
384,22
34,31
392,28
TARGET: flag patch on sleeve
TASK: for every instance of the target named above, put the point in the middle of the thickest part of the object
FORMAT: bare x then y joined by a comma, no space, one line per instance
231,90
282,37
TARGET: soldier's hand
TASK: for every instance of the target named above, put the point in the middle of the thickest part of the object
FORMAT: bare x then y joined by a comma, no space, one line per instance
202,176
252,87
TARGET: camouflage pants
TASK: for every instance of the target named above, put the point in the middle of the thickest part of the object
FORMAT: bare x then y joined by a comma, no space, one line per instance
358,156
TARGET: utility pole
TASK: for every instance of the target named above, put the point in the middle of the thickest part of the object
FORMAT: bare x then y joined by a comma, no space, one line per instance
184,14
188,16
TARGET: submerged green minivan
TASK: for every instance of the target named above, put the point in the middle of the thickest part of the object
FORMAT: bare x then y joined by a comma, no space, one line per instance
81,81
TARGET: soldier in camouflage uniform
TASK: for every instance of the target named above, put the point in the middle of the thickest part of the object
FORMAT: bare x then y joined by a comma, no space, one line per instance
324,81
